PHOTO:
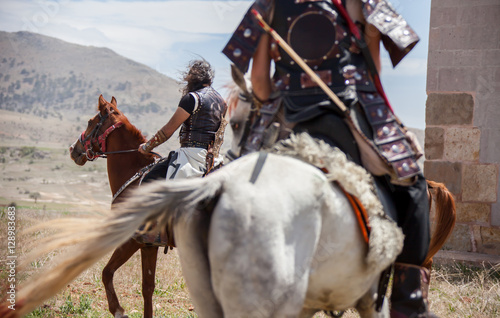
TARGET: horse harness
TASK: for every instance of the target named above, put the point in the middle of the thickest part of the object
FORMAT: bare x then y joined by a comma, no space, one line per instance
100,140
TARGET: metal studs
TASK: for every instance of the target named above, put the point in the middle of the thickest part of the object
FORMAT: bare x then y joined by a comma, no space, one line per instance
395,149
247,33
386,131
380,113
237,53
388,19
405,167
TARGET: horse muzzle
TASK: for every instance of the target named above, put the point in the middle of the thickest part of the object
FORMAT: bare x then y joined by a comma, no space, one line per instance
77,153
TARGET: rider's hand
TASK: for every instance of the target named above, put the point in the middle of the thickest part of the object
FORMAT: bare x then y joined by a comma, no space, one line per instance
141,149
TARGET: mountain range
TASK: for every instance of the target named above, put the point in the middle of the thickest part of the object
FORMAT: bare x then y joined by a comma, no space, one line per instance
48,77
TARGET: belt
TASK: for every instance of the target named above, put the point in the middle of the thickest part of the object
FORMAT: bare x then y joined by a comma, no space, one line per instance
194,144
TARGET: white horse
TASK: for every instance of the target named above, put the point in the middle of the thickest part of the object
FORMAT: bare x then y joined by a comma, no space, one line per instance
265,236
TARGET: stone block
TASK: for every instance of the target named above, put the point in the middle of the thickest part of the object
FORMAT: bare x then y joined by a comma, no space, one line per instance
432,76
457,79
487,112
444,16
434,143
484,15
449,109
473,213
490,152
466,58
462,144
490,237
483,36
455,37
441,58
479,183
449,173
495,212
491,58
460,239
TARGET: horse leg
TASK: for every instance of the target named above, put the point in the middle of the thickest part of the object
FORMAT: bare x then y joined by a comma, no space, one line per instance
148,258
119,257
307,313
366,305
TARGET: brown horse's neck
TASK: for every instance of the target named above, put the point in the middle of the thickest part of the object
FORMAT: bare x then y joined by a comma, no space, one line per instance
122,167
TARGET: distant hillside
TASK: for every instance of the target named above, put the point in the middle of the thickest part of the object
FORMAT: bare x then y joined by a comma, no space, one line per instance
48,77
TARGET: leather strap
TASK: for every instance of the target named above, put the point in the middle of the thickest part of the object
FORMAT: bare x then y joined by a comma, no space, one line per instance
258,166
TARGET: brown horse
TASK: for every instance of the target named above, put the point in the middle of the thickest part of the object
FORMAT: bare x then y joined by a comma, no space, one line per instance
109,133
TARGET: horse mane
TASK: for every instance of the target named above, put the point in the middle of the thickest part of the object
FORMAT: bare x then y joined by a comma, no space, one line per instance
232,98
132,129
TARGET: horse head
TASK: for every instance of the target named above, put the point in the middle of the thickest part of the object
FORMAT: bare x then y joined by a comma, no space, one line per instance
244,113
92,142
239,104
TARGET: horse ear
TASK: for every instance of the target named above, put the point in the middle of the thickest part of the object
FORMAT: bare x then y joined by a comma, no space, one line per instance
113,101
102,102
239,78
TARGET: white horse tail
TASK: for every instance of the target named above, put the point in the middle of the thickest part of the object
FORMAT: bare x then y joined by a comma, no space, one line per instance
159,201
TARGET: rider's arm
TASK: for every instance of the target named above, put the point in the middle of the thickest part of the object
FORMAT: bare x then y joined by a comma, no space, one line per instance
261,67
371,34
372,38
166,131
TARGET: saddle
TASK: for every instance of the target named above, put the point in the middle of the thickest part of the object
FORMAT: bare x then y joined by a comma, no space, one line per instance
158,171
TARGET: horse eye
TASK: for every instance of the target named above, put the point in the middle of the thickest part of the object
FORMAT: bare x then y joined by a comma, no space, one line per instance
235,126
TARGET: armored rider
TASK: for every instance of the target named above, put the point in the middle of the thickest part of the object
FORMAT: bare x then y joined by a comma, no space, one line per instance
200,113
340,41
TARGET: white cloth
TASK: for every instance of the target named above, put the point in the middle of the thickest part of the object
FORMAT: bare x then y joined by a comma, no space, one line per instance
188,162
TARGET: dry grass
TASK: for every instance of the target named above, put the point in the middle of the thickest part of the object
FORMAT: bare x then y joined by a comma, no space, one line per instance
457,290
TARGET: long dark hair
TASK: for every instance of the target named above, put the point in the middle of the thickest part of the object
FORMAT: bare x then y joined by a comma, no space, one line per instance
199,73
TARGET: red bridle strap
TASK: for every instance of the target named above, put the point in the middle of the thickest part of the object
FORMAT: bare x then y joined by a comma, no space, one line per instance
102,138
101,141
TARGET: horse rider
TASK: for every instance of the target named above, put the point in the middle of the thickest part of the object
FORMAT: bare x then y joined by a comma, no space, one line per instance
340,41
200,113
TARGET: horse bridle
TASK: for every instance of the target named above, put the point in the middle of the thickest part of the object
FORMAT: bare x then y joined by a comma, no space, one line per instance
245,97
100,140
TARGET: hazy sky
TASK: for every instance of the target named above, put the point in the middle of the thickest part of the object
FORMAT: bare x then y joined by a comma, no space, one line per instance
166,35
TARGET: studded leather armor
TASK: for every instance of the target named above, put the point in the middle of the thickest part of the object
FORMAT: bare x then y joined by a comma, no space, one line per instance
200,128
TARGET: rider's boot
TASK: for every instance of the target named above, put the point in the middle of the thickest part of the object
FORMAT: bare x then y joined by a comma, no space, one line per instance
409,292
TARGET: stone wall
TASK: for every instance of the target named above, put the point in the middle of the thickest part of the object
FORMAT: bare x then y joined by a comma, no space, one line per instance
462,136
